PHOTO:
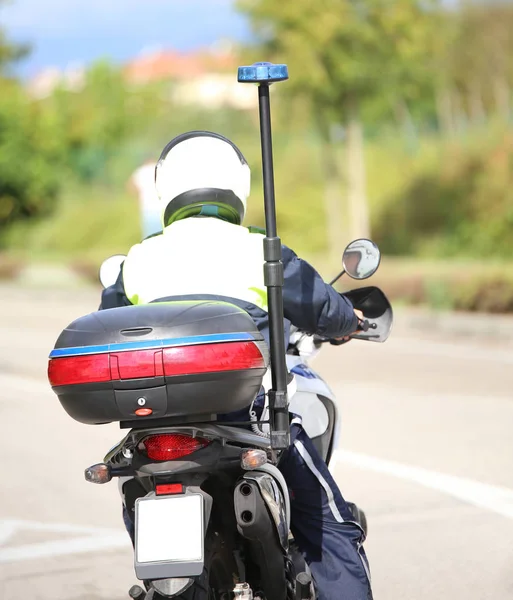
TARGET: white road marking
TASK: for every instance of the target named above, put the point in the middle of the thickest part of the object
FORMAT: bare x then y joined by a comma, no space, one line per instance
89,539
496,499
7,529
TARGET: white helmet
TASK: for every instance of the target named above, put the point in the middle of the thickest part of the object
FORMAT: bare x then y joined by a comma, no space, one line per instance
366,254
202,173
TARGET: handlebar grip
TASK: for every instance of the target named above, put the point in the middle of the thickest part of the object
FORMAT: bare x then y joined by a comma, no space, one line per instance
318,340
363,325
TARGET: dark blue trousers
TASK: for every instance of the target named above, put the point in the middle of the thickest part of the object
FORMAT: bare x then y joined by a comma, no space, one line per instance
322,524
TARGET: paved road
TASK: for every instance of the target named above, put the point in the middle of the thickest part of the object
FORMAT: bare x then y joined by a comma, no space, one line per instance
427,450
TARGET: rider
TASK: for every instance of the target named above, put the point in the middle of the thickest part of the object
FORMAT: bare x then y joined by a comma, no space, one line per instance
203,182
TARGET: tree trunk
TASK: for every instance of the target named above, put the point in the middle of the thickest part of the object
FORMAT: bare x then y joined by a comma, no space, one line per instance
356,184
502,97
333,199
445,112
407,126
475,104
460,119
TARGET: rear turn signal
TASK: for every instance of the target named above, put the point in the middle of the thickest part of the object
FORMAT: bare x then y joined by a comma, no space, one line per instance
172,446
252,459
99,473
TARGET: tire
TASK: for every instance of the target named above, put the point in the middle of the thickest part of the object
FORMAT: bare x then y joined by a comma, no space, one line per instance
217,573
363,521
359,516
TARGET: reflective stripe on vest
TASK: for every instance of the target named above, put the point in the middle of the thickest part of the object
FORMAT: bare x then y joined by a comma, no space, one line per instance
197,256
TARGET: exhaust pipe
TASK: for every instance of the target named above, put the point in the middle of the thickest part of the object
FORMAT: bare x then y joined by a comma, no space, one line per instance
256,525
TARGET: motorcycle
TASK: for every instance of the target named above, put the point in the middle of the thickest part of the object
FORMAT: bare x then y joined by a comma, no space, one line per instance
209,507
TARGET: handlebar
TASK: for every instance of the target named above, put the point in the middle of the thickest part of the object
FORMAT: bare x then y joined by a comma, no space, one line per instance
374,305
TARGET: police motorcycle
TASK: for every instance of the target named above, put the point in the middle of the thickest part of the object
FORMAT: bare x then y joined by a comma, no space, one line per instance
210,508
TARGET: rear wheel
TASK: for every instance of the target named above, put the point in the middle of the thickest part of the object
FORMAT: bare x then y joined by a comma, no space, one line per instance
359,516
217,580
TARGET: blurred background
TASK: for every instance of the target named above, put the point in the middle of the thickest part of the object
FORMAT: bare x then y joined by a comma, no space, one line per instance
396,123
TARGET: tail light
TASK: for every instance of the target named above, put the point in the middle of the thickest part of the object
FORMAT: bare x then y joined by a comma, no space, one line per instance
172,446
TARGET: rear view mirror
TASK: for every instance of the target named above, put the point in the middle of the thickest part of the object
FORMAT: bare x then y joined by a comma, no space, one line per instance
110,268
361,259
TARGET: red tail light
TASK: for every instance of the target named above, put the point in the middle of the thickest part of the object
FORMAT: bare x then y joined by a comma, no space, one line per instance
172,446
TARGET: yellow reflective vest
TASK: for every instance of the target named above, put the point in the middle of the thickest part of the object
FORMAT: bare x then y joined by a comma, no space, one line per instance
194,256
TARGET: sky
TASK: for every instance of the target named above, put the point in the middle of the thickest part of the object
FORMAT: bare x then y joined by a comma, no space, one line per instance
79,31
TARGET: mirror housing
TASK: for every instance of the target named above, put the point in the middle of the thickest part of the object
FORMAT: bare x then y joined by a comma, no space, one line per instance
361,259
376,310
109,270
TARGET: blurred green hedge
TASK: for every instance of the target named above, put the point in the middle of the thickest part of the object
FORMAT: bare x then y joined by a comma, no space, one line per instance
461,287
460,205
470,287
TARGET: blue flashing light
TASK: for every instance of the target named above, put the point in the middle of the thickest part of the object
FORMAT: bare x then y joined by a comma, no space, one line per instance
263,72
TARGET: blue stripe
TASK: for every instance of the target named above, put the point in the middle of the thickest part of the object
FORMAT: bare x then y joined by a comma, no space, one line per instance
149,344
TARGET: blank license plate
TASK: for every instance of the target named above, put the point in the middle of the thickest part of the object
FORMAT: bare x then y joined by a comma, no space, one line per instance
169,529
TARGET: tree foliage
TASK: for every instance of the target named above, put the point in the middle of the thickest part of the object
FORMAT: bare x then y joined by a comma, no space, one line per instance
347,52
479,63
379,63
9,51
29,156
70,135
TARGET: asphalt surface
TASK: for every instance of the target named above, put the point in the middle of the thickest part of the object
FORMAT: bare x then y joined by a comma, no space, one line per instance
426,450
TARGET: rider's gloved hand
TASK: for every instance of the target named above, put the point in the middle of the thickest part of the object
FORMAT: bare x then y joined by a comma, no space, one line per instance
346,338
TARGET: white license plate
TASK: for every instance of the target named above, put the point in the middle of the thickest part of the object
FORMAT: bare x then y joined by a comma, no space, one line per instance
169,529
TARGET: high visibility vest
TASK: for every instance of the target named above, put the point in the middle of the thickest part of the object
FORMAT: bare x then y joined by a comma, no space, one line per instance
197,256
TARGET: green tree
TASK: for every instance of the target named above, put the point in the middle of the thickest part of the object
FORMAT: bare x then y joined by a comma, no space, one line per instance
30,156
28,151
99,117
480,62
9,51
344,54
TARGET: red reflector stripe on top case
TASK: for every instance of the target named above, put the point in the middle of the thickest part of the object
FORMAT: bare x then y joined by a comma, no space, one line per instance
233,356
136,365
141,364
79,369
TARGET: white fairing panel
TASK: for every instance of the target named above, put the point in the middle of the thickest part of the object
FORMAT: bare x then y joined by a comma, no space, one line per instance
312,412
307,380
305,401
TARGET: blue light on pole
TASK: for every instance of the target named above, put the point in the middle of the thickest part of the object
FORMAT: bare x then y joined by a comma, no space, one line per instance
263,72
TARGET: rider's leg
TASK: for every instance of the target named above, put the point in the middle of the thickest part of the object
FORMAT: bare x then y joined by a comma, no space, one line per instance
322,524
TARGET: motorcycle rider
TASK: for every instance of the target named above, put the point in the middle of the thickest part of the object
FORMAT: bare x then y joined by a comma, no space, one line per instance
203,181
